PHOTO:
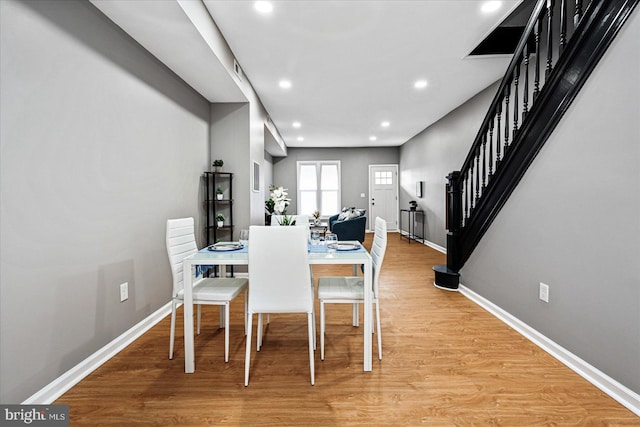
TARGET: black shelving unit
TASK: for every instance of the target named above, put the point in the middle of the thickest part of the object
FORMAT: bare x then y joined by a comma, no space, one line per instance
215,206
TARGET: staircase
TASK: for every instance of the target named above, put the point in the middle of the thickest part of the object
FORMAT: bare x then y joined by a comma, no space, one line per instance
560,46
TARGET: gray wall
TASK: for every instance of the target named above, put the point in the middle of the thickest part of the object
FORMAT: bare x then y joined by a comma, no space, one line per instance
434,153
101,144
230,142
354,168
573,223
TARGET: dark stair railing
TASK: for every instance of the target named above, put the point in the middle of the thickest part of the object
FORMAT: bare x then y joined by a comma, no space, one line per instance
566,38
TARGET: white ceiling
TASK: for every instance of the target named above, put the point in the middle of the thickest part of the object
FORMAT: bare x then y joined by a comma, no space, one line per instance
352,63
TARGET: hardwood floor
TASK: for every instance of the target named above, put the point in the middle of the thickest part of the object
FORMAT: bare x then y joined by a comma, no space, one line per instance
445,362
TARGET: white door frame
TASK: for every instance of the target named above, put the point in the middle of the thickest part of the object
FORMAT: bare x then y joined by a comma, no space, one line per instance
371,225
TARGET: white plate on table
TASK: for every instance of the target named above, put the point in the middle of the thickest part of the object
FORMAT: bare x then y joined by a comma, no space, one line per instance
226,246
344,246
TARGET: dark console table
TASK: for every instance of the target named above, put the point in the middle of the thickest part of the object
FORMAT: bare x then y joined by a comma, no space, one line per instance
411,227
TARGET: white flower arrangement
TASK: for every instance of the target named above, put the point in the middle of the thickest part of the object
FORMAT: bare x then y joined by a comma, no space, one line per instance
279,197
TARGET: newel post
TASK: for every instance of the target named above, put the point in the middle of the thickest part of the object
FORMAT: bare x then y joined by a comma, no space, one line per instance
447,276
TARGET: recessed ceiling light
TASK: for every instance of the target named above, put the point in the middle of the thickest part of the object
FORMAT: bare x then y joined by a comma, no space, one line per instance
491,6
296,124
284,84
385,124
300,139
420,84
263,6
372,138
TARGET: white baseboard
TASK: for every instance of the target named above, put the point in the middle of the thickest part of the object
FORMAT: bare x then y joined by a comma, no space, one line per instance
435,246
428,243
623,395
74,375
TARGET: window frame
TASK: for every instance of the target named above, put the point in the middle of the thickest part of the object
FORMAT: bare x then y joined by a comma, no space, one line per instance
318,165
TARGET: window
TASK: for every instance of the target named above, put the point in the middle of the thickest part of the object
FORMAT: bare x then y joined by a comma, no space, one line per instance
319,187
383,178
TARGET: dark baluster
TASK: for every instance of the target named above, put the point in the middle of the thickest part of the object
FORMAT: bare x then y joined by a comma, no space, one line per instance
549,39
578,15
491,148
516,79
563,25
471,205
498,139
536,77
465,191
477,175
525,98
507,89
484,162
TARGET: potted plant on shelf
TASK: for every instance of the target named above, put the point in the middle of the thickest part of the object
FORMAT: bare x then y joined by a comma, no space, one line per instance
316,217
217,165
219,193
220,219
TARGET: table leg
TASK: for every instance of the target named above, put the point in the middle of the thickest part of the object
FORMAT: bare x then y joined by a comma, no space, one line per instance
223,273
368,304
187,307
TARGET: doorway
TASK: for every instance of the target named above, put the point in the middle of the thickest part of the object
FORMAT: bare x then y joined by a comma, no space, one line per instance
383,195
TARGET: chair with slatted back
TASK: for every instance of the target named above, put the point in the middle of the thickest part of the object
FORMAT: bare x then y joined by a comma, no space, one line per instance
300,221
280,280
181,243
350,289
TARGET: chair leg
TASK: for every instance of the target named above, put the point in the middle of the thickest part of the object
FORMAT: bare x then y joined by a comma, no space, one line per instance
313,313
199,316
356,314
311,339
247,357
246,305
379,331
226,332
259,333
172,333
321,329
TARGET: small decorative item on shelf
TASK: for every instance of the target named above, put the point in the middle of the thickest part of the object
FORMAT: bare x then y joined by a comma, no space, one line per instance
220,219
413,205
219,193
217,165
316,217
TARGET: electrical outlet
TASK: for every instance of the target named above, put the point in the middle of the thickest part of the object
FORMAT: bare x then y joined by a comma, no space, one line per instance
124,291
544,292
362,195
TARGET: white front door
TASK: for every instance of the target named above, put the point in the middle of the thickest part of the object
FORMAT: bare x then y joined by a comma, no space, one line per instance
383,195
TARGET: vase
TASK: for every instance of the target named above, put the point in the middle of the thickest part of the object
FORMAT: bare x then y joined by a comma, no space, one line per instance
219,196
220,224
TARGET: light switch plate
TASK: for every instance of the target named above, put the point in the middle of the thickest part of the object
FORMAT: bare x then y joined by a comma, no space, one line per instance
544,292
124,291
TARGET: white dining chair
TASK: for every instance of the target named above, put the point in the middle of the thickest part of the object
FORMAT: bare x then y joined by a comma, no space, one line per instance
272,251
350,289
181,243
301,221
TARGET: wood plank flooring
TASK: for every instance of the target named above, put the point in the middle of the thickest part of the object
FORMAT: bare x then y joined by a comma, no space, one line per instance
445,362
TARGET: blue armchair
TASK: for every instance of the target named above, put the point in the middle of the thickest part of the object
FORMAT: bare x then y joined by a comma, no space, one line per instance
349,229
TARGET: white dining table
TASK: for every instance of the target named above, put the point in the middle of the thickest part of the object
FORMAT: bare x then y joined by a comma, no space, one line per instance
209,258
